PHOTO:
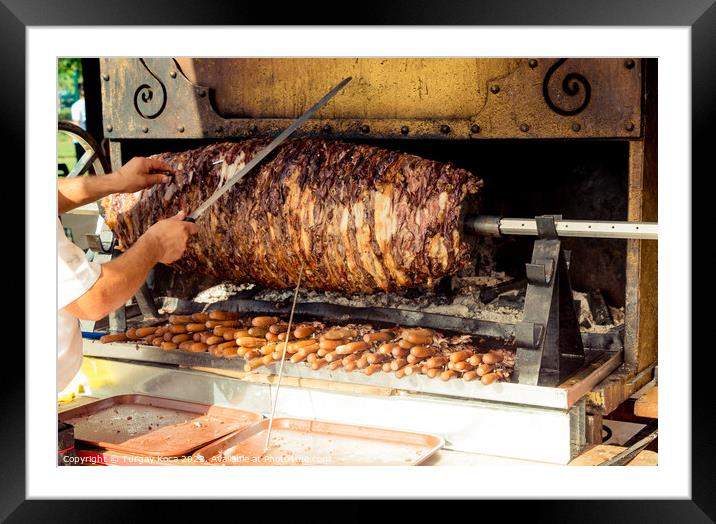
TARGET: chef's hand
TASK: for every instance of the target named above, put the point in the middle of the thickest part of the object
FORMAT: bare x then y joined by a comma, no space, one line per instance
140,173
170,236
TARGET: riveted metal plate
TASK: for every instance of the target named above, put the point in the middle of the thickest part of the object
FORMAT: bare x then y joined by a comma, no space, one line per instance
453,98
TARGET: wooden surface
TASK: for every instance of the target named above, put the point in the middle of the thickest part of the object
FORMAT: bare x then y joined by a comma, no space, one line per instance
648,404
641,324
586,379
599,454
616,388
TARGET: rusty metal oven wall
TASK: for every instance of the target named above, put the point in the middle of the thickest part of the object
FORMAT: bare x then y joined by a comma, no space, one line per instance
442,98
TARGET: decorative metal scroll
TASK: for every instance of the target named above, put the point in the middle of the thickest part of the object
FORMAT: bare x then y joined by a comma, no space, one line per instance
572,84
150,98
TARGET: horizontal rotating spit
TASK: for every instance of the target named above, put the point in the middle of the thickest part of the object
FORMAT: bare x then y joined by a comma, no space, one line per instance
487,225
549,347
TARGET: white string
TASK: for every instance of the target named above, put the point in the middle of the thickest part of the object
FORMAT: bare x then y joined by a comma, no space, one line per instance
283,358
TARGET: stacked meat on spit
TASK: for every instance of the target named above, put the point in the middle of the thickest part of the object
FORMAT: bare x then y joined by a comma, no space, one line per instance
358,218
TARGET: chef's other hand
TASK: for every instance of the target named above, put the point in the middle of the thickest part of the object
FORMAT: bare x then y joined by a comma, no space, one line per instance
140,173
170,236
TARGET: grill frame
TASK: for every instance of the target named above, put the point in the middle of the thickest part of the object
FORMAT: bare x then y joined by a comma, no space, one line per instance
640,331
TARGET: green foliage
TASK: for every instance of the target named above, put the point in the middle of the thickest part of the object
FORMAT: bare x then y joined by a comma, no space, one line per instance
69,74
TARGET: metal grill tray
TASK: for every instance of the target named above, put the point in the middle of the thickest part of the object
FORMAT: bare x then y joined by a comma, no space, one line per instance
598,365
153,426
300,442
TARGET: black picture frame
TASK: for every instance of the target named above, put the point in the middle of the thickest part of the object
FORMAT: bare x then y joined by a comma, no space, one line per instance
699,15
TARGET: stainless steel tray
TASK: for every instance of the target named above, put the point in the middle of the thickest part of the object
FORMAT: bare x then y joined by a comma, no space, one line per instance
300,442
153,426
599,365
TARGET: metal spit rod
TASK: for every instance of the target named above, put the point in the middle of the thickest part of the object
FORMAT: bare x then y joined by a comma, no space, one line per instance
487,225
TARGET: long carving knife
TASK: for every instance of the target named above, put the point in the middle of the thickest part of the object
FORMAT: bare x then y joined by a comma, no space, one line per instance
265,151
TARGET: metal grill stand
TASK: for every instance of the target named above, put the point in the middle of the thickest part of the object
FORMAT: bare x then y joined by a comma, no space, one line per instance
549,345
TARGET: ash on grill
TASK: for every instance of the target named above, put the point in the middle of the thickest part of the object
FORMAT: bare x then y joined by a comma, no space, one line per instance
465,301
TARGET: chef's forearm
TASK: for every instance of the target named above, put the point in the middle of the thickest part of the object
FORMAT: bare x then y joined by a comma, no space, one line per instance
78,191
121,278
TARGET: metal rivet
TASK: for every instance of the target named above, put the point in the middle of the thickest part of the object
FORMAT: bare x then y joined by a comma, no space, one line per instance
145,129
524,128
253,128
173,74
494,89
629,63
105,77
576,127
445,129
202,93
365,129
404,130
475,128
532,63
629,126
327,128
109,128
180,129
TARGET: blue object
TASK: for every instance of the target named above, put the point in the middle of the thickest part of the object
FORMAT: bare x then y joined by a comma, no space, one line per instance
93,335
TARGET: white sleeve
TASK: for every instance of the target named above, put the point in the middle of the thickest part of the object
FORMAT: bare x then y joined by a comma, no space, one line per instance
75,274
76,111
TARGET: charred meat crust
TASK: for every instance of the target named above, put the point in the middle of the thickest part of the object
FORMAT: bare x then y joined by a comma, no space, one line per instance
362,218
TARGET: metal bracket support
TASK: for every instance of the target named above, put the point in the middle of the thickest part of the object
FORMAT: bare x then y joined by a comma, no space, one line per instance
528,335
549,345
145,301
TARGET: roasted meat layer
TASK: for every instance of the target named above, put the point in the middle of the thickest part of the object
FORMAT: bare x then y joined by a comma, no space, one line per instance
360,218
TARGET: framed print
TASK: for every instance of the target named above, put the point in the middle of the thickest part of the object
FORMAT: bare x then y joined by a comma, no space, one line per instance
429,251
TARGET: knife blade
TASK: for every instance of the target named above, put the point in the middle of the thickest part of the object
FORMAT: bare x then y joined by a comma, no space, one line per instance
265,151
